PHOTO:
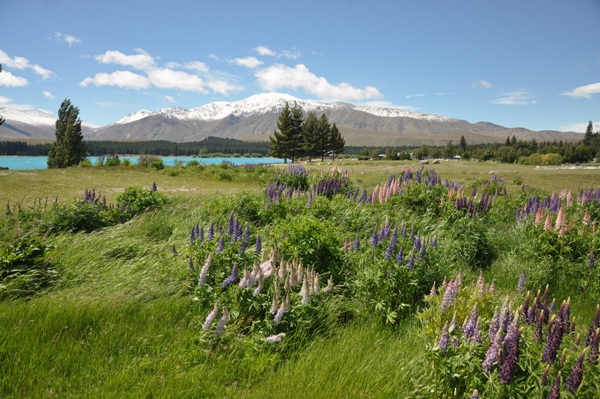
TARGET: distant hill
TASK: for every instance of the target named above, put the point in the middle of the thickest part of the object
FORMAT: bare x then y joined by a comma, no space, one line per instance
255,118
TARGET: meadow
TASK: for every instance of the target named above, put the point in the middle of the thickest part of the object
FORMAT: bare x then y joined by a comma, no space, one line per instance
351,279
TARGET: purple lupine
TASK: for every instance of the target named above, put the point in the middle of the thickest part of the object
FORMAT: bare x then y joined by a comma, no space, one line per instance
258,245
399,256
392,246
493,352
191,264
232,277
469,328
593,355
230,225
374,238
521,283
593,327
510,362
201,234
555,335
555,390
539,327
154,186
204,271
417,244
220,245
574,380
211,231
449,296
221,324
545,376
210,318
356,246
444,339
525,310
245,239
192,236
411,261
422,251
494,325
174,251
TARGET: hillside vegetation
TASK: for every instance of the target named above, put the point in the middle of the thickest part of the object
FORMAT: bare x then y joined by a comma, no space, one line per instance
371,279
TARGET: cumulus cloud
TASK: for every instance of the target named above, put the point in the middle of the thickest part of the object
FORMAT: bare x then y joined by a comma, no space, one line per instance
414,95
223,87
123,79
248,62
516,97
264,50
583,91
5,100
48,95
170,79
280,76
482,83
9,80
142,60
169,99
67,38
197,66
579,127
23,63
290,55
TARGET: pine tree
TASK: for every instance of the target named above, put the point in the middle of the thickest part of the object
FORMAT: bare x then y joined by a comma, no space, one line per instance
1,119
310,136
507,141
589,134
279,140
337,142
296,140
69,148
323,137
513,140
462,144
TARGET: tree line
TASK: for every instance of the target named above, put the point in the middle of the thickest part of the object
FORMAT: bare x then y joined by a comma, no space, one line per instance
312,137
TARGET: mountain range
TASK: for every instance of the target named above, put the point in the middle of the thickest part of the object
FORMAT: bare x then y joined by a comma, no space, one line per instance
255,118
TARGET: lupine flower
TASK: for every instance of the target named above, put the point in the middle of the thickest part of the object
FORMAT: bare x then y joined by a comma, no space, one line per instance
275,338
279,315
548,223
399,256
521,283
232,277
204,270
475,394
449,296
211,317
433,292
422,251
492,288
444,339
493,352
221,324
593,355
192,236
220,245
417,243
411,261
258,245
510,362
481,283
374,238
200,233
477,340
230,224
545,376
469,329
574,380
174,251
211,231
392,246
593,327
154,186
356,246
434,244
458,279
191,264
555,390
260,285
494,325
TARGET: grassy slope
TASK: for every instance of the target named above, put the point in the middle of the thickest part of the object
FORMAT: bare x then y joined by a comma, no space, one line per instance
121,325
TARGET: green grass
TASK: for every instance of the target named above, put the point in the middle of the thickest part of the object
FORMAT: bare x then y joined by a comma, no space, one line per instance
120,321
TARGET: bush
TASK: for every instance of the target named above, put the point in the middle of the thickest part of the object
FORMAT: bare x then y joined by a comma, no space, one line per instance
113,161
86,163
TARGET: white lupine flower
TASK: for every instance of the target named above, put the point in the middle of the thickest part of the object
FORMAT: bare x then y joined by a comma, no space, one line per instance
268,267
316,284
274,303
221,324
245,278
211,317
259,288
275,338
304,291
329,285
279,315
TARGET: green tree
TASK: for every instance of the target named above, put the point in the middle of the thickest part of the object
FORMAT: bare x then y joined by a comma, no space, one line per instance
1,119
589,134
336,142
323,137
69,148
310,136
462,145
296,140
280,140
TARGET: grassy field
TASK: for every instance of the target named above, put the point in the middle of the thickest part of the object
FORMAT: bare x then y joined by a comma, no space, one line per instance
119,317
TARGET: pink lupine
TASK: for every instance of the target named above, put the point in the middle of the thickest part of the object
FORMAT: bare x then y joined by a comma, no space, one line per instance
560,219
548,223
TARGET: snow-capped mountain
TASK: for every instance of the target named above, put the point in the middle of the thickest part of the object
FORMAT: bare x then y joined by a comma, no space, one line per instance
255,118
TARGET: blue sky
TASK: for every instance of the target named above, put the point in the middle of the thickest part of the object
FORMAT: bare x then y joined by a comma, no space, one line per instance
532,64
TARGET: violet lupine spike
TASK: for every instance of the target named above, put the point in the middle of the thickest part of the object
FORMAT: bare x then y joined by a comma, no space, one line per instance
574,379
510,362
191,264
593,327
449,296
444,339
494,325
258,246
230,225
192,237
201,234
422,251
521,283
220,245
204,271
221,324
469,330
356,246
374,238
399,256
417,243
232,277
434,244
493,353
392,246
594,347
154,186
211,231
210,318
555,390
411,261
174,251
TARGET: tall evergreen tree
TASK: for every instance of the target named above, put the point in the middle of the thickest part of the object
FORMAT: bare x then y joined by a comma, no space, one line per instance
507,141
280,139
69,148
296,140
310,136
462,144
323,137
589,134
1,119
336,142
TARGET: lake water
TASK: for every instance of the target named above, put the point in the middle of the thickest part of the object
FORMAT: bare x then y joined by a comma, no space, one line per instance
23,163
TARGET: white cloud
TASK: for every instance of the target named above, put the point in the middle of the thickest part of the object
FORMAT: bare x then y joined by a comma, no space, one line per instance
5,100
280,76
290,55
440,94
579,127
516,97
264,50
248,62
142,60
22,63
414,95
214,57
197,66
69,39
584,91
48,95
9,80
173,65
169,99
170,79
124,79
482,83
222,87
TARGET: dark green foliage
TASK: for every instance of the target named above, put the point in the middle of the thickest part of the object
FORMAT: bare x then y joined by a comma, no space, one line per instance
336,142
69,148
310,131
323,137
139,199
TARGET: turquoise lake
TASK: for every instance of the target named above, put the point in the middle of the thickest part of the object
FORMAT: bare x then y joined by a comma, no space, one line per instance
24,163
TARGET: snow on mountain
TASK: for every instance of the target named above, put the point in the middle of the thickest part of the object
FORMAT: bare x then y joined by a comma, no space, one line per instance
265,103
34,117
